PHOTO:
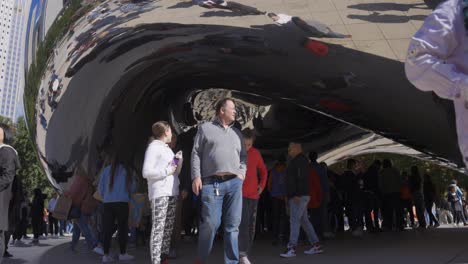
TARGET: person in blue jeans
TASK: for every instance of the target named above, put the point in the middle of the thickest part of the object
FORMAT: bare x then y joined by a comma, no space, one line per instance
297,185
81,227
218,168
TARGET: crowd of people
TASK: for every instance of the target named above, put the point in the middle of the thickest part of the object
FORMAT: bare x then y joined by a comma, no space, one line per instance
224,182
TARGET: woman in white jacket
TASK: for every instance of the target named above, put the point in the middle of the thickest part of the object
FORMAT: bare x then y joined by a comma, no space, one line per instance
161,169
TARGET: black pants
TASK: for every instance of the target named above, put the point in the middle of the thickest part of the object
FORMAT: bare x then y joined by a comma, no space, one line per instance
247,225
37,223
53,225
112,212
279,219
20,229
7,240
408,205
432,218
392,206
372,203
345,207
418,199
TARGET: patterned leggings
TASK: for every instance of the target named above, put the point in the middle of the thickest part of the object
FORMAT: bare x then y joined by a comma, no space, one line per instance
164,209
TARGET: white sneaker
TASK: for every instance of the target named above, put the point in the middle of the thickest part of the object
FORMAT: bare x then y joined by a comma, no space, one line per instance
107,259
290,253
126,257
244,260
314,250
99,251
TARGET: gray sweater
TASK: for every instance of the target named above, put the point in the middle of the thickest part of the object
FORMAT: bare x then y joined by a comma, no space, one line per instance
218,150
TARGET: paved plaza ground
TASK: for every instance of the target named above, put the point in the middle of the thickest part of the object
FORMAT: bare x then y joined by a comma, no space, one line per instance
443,245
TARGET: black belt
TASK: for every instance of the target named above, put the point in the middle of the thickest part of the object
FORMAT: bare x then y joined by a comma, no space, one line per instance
215,178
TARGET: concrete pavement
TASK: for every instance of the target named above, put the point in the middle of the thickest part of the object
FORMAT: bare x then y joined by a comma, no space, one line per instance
443,245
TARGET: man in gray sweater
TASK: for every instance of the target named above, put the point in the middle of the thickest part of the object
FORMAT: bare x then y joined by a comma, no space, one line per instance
218,169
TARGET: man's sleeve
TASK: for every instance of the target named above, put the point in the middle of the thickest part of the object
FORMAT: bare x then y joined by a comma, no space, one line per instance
7,168
291,178
243,158
197,153
426,66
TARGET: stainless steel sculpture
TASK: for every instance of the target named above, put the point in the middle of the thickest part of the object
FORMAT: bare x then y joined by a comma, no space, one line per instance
124,65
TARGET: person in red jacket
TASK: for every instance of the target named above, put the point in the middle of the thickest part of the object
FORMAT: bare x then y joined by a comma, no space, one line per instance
254,184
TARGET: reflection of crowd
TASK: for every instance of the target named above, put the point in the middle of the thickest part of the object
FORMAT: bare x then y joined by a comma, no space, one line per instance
224,189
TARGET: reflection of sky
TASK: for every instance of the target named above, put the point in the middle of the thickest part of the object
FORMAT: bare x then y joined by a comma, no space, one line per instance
35,4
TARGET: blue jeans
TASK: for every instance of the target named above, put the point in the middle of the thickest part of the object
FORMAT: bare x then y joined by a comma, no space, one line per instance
62,227
80,226
297,218
226,206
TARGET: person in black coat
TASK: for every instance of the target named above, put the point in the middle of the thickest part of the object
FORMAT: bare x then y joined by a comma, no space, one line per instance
429,191
8,165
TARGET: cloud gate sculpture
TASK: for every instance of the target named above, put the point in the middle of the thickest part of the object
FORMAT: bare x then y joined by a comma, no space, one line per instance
123,65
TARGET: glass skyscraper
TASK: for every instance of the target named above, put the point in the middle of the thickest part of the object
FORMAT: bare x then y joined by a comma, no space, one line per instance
12,32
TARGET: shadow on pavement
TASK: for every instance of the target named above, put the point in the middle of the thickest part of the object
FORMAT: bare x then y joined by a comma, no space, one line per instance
386,18
13,261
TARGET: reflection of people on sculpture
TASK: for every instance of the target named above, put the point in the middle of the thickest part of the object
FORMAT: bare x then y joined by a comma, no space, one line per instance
438,61
230,5
312,28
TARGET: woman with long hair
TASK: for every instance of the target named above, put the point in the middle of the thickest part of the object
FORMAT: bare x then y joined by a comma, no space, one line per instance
161,169
115,186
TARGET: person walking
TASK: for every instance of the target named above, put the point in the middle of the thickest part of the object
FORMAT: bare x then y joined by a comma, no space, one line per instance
161,169
390,186
115,186
416,188
253,186
430,194
297,181
218,168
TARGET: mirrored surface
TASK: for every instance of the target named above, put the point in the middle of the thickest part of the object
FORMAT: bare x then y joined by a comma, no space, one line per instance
329,74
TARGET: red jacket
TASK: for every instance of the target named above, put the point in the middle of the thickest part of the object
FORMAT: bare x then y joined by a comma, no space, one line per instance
315,189
255,176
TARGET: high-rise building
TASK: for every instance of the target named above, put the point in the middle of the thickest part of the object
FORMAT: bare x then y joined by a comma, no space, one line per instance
12,29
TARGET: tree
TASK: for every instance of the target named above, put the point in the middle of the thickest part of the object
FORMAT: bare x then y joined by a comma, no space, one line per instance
31,172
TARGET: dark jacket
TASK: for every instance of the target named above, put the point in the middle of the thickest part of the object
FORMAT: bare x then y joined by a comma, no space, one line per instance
415,183
297,176
429,191
9,163
371,179
344,183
